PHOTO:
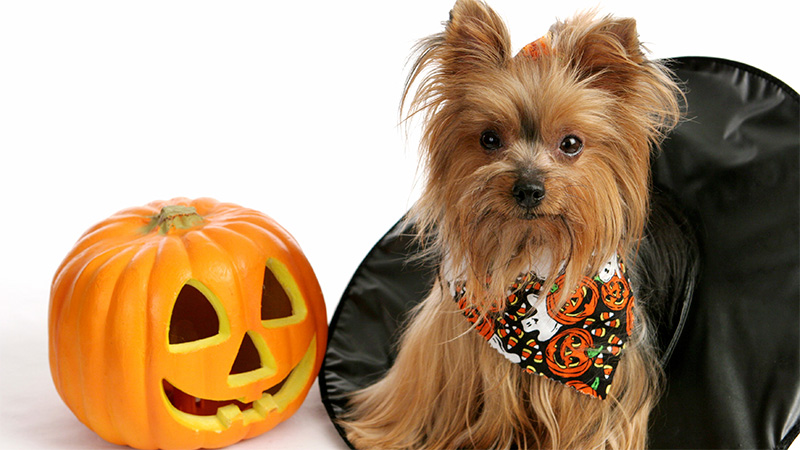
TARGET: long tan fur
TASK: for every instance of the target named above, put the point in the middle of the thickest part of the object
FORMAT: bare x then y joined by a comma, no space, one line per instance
448,388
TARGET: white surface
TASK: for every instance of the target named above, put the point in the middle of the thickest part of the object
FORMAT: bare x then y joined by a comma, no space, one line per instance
289,108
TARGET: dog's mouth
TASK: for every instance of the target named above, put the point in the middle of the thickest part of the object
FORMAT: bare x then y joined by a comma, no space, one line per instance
534,214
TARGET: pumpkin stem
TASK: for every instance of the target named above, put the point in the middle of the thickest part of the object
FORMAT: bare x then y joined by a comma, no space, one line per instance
177,216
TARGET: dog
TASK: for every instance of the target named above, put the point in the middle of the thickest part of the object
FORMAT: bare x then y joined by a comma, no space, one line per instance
535,207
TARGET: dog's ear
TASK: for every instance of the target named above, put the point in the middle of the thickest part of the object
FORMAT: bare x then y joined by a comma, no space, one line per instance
475,38
607,50
607,53
474,42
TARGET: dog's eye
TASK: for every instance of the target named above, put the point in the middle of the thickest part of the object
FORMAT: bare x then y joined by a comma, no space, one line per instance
571,145
490,140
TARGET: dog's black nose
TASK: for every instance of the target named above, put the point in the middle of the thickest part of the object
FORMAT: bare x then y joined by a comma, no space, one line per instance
528,193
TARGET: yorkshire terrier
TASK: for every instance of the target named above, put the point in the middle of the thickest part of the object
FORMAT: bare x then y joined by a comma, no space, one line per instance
537,184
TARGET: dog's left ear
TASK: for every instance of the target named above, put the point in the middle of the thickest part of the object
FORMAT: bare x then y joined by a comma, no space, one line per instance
607,50
607,53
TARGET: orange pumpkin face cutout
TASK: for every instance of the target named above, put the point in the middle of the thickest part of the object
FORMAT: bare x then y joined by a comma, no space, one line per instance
185,324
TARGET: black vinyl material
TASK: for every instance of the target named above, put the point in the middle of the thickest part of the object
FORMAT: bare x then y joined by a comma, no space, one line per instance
733,378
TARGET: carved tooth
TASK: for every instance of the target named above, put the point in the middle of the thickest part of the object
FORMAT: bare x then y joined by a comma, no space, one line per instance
228,414
265,404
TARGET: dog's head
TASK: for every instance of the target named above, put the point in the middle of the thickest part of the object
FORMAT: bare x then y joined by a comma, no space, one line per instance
545,154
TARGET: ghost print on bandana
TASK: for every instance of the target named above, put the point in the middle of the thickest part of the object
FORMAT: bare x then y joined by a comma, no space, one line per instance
579,344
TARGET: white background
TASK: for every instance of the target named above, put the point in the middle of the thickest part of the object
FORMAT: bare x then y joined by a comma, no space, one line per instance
289,108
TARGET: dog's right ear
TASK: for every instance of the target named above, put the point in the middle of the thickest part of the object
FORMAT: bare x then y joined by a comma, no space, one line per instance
475,41
475,38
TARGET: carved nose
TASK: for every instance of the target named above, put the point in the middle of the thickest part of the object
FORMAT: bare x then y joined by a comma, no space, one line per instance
528,193
247,359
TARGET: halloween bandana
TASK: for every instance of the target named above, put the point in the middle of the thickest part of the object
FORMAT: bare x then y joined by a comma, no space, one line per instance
578,345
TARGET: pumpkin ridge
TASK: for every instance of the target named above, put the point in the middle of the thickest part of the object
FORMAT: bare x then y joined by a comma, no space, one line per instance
117,217
248,229
93,314
201,235
171,249
151,420
99,245
72,279
106,235
220,229
140,263
264,223
217,233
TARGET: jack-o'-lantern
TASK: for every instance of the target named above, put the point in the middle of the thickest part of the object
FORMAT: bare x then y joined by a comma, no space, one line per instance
615,294
185,324
567,353
580,304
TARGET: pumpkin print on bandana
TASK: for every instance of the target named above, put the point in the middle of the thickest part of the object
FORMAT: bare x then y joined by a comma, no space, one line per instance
579,344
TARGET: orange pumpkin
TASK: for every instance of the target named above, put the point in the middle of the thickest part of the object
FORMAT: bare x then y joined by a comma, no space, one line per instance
185,324
566,353
581,304
615,294
582,387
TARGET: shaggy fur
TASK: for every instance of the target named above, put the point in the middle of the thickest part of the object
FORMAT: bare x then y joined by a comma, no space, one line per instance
448,388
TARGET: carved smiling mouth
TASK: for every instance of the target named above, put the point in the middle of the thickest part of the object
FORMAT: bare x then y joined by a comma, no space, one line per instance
197,406
200,413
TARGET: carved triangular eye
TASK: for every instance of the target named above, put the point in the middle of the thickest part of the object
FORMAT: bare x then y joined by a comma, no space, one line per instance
282,303
275,303
196,315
